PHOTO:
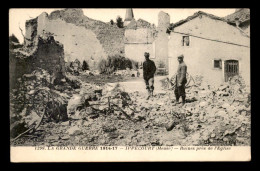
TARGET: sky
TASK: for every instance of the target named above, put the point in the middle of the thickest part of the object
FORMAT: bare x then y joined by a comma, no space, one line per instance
18,17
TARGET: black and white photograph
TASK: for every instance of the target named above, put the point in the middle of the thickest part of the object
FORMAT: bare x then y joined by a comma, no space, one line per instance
126,81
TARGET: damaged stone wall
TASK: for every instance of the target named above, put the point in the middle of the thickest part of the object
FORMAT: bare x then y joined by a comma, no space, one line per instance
45,53
110,36
31,31
138,41
83,38
161,42
141,38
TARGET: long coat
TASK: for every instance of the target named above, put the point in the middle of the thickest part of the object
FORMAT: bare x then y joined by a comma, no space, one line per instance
149,69
181,74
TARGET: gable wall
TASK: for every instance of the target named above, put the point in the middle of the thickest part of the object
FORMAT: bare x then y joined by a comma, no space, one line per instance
199,56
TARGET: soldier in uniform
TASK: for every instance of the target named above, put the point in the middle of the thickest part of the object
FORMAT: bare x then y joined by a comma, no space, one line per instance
149,69
181,80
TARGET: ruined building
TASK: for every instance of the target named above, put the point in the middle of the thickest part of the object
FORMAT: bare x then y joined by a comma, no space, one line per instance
91,40
141,36
83,38
242,19
43,52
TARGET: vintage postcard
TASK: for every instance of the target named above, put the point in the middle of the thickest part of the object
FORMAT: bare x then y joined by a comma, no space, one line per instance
133,84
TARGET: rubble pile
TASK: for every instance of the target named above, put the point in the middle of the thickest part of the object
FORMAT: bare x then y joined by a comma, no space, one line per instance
90,73
108,115
33,93
93,101
79,104
220,115
127,72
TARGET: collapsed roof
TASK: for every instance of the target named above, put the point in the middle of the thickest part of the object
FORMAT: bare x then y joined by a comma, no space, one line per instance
243,15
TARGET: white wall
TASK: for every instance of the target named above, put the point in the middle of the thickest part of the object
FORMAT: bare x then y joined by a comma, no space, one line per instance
140,35
136,51
200,54
142,40
79,42
137,42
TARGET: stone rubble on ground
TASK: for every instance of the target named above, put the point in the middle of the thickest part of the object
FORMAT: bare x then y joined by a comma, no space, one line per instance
107,115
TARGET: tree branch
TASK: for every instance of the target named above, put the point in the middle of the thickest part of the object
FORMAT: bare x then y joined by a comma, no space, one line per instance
23,34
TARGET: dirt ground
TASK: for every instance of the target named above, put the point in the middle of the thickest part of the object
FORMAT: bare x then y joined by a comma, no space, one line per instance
103,79
138,84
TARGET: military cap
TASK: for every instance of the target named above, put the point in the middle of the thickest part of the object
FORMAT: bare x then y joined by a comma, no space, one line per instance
146,53
180,56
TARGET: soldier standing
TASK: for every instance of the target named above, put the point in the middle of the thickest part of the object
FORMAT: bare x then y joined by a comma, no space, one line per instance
149,69
181,80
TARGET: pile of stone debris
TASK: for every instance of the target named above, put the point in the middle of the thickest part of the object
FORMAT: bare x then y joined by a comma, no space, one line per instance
36,94
128,72
108,115
218,115
93,101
